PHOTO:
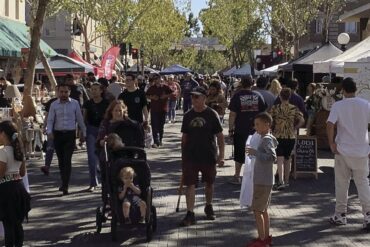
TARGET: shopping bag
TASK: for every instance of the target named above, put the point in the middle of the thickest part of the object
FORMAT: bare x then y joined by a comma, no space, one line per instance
246,190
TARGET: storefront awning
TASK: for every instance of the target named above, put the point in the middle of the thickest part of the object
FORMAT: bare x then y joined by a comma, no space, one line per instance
14,36
356,14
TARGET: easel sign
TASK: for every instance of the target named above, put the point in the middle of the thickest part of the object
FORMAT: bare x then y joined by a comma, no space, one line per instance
305,156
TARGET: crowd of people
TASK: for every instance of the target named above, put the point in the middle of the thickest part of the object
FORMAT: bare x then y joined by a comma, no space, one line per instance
92,109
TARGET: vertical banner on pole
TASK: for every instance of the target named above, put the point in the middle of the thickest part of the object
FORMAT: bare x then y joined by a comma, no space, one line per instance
109,61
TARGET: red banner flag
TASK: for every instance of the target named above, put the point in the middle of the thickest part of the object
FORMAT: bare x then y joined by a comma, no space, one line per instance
109,61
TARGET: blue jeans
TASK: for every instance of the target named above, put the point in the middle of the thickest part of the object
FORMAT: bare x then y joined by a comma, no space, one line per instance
171,109
92,158
187,105
49,152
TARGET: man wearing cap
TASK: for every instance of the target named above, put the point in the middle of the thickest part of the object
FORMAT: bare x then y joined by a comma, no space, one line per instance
187,85
158,94
200,128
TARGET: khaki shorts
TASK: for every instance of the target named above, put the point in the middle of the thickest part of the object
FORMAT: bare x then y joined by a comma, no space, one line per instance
261,197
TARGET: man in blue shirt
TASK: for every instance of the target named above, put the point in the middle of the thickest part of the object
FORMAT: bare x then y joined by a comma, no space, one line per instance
63,115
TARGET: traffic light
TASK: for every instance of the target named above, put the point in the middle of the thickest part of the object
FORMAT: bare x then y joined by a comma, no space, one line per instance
279,56
141,51
129,48
122,50
135,53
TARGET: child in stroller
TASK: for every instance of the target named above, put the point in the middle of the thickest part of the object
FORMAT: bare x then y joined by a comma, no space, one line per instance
129,195
126,161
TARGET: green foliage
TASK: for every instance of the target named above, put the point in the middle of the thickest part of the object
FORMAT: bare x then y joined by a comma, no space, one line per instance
156,32
289,20
238,26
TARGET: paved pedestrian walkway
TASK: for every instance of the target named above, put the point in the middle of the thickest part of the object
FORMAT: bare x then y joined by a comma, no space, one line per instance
299,215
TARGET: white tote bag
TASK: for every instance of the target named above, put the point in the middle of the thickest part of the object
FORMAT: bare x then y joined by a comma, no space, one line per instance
246,191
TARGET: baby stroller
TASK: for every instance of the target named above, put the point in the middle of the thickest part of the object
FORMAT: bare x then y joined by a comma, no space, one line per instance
134,157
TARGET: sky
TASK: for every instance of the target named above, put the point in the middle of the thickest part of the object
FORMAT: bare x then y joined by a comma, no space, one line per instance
197,5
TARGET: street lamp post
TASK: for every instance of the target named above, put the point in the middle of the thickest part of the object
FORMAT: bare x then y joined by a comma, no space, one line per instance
343,40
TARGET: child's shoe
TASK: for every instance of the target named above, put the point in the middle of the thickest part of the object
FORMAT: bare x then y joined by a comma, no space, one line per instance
142,220
338,219
257,243
128,221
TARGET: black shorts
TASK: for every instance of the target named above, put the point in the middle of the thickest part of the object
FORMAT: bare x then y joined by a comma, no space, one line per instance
239,147
285,147
190,173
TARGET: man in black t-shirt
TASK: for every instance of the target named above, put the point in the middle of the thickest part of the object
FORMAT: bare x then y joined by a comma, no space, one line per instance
244,106
200,128
135,100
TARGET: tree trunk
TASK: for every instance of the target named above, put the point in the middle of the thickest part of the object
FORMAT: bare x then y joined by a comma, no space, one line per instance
48,71
34,47
87,44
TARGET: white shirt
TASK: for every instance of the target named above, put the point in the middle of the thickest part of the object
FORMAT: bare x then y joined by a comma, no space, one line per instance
115,89
352,116
7,156
64,115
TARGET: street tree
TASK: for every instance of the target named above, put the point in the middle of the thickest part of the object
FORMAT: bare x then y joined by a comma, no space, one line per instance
40,7
238,26
328,9
155,32
287,20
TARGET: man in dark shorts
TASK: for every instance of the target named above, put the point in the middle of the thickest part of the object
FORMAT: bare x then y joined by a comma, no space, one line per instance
244,106
200,128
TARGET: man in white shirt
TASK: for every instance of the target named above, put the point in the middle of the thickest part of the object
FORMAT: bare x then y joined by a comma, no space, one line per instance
63,115
351,117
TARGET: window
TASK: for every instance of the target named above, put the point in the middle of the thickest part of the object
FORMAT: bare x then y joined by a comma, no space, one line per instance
6,7
319,24
50,27
351,27
17,9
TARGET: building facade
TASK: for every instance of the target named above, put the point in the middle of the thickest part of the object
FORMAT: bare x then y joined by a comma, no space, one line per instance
13,9
58,33
353,27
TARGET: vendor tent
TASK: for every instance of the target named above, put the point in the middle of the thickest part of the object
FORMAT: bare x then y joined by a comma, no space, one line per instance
175,69
147,70
229,72
271,71
246,69
335,64
305,63
61,65
98,71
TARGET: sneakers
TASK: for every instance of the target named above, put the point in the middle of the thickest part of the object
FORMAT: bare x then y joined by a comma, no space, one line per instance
258,243
279,186
210,214
128,221
339,219
235,180
188,220
366,224
142,220
45,170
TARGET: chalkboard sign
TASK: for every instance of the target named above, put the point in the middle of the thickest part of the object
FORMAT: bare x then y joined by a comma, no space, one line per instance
305,155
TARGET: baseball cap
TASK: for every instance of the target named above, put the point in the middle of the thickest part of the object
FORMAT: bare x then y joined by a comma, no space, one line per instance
199,91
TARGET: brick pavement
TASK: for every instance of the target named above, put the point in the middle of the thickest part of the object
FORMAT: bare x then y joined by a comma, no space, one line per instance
298,215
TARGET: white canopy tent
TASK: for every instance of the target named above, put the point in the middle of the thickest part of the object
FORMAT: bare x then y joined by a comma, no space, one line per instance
246,69
271,71
335,65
